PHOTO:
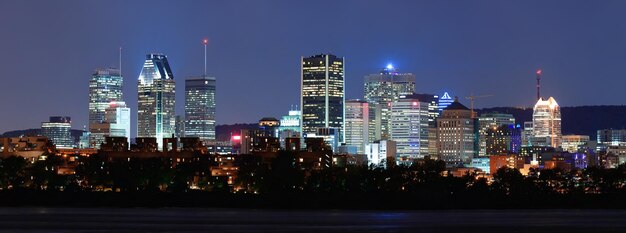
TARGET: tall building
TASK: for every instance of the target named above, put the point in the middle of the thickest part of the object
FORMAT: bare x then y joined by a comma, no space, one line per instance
383,88
410,128
381,153
491,121
456,135
289,126
200,108
157,98
612,137
105,86
444,101
498,140
357,125
118,118
58,131
323,93
547,123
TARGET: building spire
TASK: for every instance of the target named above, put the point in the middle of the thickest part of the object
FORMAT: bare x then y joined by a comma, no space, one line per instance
539,72
205,42
120,60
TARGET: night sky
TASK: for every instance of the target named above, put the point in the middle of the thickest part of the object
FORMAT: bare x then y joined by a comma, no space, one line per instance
49,49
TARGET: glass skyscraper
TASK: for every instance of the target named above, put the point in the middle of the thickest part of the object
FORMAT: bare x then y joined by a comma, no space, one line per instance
547,123
200,108
57,130
381,90
105,86
323,93
118,118
409,121
357,125
157,98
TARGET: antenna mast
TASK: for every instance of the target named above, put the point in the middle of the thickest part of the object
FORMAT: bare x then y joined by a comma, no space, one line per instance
538,84
205,41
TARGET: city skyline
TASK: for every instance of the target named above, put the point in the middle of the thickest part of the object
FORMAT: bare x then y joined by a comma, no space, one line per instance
498,47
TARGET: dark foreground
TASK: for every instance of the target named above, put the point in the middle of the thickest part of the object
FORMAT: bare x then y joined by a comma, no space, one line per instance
32,219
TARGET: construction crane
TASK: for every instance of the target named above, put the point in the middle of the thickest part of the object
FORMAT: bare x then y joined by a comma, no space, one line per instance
473,97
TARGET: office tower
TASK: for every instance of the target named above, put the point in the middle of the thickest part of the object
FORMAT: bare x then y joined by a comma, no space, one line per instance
570,143
118,118
547,123
456,135
433,113
179,128
357,125
491,120
409,128
383,88
322,97
105,86
263,139
498,139
611,137
157,98
200,108
527,133
58,131
289,126
444,101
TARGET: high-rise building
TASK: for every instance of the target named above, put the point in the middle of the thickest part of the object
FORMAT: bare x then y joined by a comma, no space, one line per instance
105,86
289,126
383,88
157,98
456,135
491,121
323,93
444,101
547,123
410,128
58,131
357,125
612,137
498,139
570,143
118,118
200,108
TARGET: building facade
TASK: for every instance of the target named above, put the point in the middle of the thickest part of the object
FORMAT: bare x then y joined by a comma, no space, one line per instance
611,137
323,93
456,135
156,99
493,121
105,86
58,131
382,89
570,143
547,123
357,125
410,128
200,108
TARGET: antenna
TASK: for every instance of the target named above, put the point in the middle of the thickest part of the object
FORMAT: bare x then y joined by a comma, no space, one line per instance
120,66
539,72
205,42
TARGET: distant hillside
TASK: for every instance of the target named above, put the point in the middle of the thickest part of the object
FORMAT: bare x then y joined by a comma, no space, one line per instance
584,120
76,133
223,132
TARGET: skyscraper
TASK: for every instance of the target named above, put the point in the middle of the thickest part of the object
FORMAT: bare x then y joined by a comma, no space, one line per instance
155,110
381,89
105,86
547,123
323,93
57,130
456,135
488,121
289,126
200,108
357,124
409,121
118,118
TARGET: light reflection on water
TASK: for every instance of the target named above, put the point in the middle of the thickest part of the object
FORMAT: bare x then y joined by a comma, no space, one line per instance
251,220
